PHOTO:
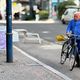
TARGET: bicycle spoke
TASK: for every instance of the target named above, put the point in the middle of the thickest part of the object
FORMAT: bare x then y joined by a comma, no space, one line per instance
71,62
63,58
64,53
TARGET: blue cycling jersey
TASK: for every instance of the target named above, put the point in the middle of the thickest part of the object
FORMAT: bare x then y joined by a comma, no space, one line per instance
74,27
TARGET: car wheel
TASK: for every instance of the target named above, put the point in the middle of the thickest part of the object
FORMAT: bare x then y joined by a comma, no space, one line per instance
0,16
63,21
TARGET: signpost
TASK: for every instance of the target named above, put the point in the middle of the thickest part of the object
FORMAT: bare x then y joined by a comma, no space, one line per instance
9,45
31,3
50,9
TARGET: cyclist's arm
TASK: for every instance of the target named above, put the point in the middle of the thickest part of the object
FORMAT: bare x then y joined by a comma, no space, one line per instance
69,28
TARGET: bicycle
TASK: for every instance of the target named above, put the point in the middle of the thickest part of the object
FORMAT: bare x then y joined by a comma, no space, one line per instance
69,50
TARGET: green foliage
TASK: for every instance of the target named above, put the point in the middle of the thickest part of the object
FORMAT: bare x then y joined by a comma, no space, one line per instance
43,14
62,7
28,16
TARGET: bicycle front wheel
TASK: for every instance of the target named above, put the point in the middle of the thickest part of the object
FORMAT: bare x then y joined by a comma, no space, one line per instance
64,52
72,57
71,61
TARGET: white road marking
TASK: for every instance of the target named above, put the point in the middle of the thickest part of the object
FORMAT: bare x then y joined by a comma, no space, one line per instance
51,46
44,65
45,32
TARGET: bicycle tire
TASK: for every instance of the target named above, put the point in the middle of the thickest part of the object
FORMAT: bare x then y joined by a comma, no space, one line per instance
71,62
64,52
72,58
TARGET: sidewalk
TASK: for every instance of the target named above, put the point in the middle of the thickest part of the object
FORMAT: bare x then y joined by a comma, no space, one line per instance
23,68
23,22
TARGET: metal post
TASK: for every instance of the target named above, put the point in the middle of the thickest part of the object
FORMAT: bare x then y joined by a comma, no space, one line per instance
50,9
31,6
58,2
9,49
41,4
31,3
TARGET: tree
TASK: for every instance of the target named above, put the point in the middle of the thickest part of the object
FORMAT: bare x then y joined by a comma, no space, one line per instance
62,7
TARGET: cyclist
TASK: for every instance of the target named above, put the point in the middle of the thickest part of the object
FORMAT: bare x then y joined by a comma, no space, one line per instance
74,28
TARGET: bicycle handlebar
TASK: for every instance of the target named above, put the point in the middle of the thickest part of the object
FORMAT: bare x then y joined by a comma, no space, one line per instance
73,35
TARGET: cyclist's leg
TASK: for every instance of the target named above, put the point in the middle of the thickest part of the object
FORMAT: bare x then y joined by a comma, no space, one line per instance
78,44
79,50
77,55
77,60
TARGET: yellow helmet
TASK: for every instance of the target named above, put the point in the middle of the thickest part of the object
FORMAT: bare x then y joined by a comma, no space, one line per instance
60,37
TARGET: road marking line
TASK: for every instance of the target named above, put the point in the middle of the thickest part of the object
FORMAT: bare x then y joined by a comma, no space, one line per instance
30,22
45,32
51,46
43,64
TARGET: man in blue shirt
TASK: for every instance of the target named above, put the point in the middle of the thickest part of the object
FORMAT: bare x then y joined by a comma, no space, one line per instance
74,28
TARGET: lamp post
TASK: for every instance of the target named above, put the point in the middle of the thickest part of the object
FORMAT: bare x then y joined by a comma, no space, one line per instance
58,2
31,3
50,9
9,49
31,6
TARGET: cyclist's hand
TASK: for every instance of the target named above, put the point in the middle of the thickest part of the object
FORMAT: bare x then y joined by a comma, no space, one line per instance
68,34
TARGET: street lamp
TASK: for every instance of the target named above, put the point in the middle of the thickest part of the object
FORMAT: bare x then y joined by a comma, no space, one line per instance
31,6
31,3
50,9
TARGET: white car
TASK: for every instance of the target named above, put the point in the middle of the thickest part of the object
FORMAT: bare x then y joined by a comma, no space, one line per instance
68,14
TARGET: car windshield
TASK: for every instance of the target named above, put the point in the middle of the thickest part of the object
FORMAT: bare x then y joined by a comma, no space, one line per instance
72,10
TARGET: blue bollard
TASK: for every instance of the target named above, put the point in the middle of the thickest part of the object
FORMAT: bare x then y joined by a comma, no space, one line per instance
9,44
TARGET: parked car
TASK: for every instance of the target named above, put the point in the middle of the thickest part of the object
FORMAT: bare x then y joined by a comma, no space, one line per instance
69,14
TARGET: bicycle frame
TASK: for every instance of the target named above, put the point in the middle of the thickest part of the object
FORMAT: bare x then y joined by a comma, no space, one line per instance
74,41
70,49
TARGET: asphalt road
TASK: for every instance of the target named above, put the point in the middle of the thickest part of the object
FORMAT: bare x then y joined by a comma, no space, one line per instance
47,32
